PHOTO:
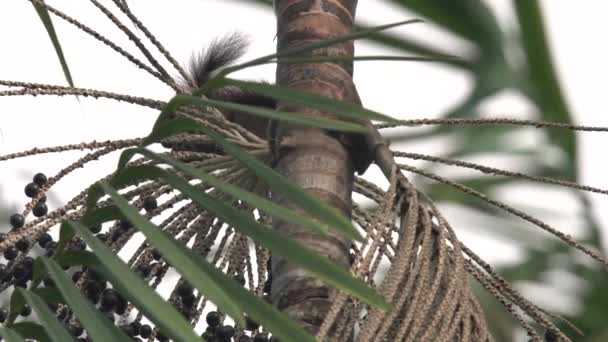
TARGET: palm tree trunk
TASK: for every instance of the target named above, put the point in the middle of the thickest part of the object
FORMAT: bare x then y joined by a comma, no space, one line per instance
321,162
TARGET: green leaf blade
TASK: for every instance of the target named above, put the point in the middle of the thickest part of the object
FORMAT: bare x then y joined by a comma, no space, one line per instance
543,78
10,335
294,118
31,330
339,108
470,19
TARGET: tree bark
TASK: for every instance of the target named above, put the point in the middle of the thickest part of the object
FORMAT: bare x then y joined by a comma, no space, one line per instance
320,162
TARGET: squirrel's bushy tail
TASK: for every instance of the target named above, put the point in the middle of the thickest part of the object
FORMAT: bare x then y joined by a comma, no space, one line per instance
220,53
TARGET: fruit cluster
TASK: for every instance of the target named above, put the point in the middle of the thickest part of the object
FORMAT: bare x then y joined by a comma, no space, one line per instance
17,271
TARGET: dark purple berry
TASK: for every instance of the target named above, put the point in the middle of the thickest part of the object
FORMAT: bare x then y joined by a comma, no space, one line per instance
224,333
44,239
125,225
50,245
250,324
136,326
94,298
145,331
31,190
40,209
49,252
17,221
150,203
23,270
189,300
156,254
115,235
26,311
244,338
40,179
95,228
10,253
28,262
184,289
94,275
121,306
19,272
109,300
213,318
22,245
207,336
93,288
260,338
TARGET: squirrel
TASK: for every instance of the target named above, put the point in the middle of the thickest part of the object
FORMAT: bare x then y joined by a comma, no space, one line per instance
222,53
219,54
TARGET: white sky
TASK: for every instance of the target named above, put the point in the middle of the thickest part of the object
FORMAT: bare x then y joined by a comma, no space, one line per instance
403,90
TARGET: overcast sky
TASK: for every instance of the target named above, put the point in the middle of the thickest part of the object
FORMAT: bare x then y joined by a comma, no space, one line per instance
404,90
